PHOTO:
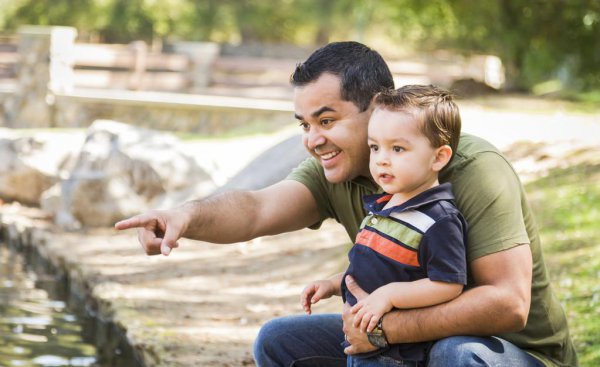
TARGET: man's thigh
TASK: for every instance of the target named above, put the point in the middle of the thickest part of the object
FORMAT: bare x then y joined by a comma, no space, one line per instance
301,341
479,351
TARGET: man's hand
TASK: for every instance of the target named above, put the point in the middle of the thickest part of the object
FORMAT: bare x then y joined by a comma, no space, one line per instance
316,291
359,343
158,230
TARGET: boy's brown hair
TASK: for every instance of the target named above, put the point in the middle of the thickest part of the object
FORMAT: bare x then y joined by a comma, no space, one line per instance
440,118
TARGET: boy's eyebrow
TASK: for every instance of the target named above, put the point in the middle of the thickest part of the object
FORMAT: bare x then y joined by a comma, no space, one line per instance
317,113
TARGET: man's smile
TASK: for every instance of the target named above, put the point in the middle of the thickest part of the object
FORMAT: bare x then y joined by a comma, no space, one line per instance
328,155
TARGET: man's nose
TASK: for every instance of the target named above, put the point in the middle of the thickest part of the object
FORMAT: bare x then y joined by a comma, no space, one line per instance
314,138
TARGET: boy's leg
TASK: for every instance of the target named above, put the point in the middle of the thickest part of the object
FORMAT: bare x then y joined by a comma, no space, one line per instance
479,351
301,341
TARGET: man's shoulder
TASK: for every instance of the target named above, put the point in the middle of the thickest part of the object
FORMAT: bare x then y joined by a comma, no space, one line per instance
476,156
471,144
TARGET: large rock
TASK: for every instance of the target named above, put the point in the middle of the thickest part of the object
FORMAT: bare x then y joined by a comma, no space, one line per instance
270,167
122,170
30,165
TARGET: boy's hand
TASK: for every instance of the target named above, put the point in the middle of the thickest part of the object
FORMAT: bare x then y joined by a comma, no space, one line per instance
316,291
369,310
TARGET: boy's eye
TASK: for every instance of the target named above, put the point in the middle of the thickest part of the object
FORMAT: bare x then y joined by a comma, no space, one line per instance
398,149
373,147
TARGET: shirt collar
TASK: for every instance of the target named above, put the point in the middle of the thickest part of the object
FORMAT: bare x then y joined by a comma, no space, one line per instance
375,203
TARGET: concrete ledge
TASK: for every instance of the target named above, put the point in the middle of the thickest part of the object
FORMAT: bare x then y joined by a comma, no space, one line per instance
177,100
202,114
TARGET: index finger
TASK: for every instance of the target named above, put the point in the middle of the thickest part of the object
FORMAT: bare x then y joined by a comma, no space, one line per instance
133,222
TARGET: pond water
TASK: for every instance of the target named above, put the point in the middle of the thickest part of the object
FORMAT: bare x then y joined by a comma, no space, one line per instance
36,328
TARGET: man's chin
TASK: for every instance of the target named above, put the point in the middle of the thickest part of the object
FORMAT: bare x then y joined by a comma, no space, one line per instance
336,176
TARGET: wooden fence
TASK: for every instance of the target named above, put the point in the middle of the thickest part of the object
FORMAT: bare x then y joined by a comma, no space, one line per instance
130,67
8,60
135,67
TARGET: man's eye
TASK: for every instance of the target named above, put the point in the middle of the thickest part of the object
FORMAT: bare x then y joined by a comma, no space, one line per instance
326,122
303,125
398,149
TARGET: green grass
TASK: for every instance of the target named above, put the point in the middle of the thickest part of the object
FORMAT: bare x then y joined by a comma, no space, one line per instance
566,203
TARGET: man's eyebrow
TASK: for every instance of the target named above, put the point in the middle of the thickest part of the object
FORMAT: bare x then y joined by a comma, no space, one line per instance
317,113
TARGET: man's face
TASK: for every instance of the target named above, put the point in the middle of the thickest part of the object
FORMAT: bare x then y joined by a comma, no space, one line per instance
334,130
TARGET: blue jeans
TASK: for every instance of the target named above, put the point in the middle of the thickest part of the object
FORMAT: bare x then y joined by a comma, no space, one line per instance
316,341
381,361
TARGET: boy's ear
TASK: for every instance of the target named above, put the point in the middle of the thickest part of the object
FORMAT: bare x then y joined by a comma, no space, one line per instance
442,157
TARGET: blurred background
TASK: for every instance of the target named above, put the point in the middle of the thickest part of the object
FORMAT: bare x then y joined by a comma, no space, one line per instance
112,107
545,46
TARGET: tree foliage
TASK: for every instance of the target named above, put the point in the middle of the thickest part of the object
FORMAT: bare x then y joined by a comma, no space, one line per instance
538,40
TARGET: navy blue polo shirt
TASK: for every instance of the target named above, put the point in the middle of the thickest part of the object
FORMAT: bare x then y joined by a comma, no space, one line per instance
422,238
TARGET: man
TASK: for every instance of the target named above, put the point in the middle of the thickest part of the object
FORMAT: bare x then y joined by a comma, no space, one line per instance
508,294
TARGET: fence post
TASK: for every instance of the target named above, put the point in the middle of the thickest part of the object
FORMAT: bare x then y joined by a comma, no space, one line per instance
45,68
139,50
203,56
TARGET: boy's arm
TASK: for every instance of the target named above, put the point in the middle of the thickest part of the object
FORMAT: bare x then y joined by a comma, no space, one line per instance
415,294
419,293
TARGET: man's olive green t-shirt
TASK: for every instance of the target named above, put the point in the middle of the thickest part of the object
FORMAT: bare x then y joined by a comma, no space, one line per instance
490,196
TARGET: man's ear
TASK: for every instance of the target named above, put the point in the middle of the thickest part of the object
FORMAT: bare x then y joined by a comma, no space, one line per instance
442,157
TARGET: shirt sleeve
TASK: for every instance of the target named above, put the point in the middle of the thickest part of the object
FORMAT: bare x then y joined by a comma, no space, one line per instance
310,174
443,251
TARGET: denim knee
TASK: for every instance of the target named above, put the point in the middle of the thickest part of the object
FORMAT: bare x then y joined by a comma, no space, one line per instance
452,350
263,345
478,351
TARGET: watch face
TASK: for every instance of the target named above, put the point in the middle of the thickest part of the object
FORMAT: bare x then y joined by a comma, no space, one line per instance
377,339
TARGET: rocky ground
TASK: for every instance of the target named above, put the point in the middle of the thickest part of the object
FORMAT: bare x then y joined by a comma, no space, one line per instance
204,304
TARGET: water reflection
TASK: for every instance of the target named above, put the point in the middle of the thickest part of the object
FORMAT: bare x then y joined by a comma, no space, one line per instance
36,330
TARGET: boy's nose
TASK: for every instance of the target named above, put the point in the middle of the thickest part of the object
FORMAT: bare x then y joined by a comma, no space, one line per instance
382,160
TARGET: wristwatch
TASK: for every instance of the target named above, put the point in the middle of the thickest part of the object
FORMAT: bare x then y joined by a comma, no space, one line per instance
377,336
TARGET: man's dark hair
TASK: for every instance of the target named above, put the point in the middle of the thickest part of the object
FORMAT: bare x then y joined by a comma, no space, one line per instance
362,71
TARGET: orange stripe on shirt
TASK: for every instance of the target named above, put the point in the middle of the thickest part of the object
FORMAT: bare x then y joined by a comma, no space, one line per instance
387,248
384,198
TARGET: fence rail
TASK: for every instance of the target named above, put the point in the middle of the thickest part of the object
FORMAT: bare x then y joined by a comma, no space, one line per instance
134,67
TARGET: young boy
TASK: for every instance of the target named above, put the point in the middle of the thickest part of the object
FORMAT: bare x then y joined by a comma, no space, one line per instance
410,250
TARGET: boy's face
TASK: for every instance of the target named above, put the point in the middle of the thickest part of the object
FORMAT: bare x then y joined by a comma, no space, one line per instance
402,158
334,130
